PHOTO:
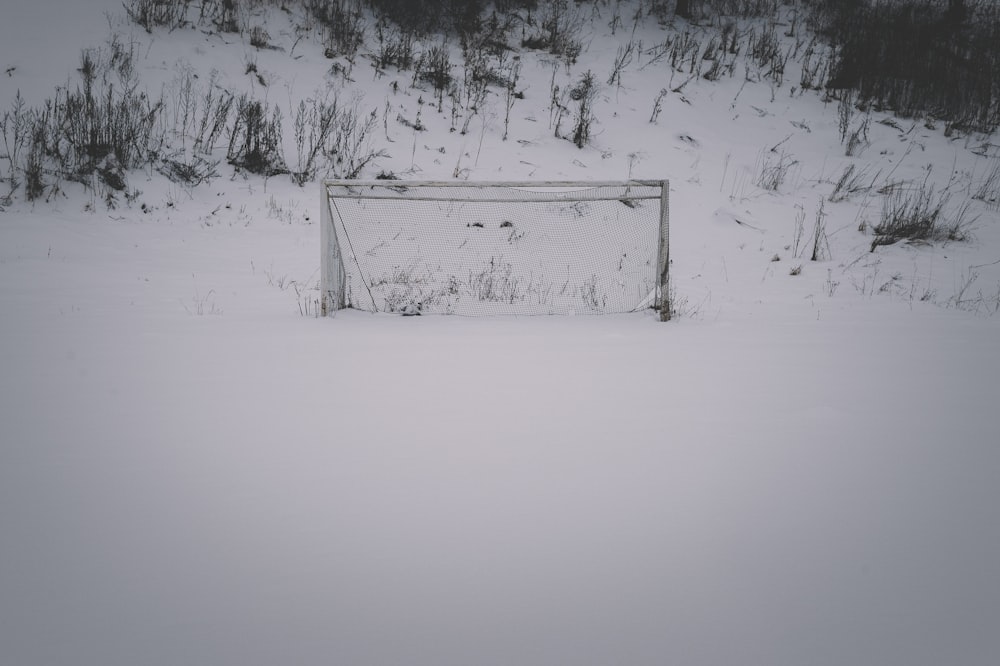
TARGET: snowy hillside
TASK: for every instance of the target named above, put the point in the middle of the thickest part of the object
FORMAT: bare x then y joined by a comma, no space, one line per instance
801,467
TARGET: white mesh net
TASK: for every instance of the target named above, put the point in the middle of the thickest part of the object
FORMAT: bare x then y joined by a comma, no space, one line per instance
480,249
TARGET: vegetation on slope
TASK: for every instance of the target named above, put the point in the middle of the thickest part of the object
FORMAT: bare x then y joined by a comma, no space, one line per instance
933,59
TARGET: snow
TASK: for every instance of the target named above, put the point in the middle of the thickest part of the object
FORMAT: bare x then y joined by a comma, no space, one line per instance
798,469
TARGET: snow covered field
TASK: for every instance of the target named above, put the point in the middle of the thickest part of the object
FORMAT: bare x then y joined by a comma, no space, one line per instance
799,469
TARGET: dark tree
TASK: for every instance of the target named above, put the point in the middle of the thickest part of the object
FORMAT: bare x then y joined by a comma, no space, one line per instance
683,9
432,15
956,10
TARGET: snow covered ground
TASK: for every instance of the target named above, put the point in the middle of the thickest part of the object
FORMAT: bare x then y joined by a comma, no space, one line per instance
799,469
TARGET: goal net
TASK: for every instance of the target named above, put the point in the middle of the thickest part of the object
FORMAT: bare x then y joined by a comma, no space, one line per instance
466,248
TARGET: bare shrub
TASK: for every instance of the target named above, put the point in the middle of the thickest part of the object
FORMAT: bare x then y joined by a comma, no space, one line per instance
485,63
852,181
658,106
821,244
858,140
427,16
815,67
584,93
623,58
988,190
764,50
495,282
255,138
558,26
800,220
772,169
34,178
738,8
434,67
845,111
16,128
188,171
511,93
343,25
198,119
104,127
314,121
332,137
216,107
351,145
150,14
259,37
920,214
592,298
224,15
908,215
395,47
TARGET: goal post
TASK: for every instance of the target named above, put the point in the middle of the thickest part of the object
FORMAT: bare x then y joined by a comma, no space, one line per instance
481,248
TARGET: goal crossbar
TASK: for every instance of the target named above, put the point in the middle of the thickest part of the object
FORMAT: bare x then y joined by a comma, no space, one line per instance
514,191
498,283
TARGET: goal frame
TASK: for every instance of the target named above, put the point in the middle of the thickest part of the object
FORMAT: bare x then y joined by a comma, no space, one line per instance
332,267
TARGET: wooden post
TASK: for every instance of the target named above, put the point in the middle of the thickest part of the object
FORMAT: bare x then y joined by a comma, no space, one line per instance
324,251
663,254
331,265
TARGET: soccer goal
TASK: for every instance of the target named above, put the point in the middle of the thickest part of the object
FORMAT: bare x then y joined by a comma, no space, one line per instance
492,248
